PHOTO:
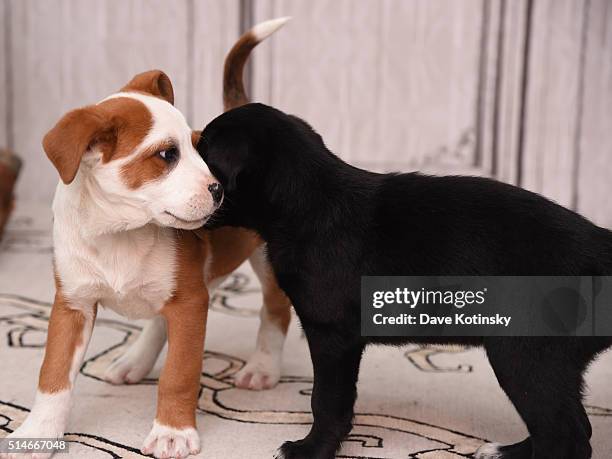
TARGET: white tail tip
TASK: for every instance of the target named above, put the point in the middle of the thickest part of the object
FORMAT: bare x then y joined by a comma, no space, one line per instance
264,29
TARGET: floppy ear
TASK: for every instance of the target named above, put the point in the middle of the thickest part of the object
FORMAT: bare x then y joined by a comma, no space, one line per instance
72,136
227,159
195,138
154,82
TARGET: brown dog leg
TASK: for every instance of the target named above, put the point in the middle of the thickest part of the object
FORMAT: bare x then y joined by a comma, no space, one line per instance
10,165
174,432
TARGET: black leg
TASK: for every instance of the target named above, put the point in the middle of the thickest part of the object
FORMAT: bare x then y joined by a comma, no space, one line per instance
543,379
336,368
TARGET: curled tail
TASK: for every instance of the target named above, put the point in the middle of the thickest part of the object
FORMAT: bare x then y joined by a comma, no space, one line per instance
234,94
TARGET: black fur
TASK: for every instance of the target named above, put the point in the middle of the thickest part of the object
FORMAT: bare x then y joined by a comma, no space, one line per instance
327,224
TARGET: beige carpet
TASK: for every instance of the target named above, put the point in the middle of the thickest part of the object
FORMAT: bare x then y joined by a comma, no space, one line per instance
413,402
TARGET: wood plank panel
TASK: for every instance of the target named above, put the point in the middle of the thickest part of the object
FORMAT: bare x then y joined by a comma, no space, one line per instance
216,27
385,82
4,66
37,100
552,104
69,53
594,178
487,84
511,46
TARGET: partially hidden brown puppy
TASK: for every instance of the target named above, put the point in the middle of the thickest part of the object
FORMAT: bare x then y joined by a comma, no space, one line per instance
133,189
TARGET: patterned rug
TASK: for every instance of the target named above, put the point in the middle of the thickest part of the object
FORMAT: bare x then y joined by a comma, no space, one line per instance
414,402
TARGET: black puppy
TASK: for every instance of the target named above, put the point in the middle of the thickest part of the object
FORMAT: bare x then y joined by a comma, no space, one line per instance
327,224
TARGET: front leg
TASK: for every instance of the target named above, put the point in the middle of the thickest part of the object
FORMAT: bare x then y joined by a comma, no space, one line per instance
335,360
67,340
174,432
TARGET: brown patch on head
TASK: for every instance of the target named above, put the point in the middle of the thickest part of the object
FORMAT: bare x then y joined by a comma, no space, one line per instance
146,167
154,83
116,126
131,121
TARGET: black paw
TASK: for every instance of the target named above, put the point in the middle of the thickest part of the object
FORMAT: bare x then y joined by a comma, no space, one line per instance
304,449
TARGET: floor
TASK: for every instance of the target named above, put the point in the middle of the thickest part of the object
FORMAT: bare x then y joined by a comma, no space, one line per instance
414,402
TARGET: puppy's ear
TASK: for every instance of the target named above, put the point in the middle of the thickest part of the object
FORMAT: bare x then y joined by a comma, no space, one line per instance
72,136
227,159
195,138
154,82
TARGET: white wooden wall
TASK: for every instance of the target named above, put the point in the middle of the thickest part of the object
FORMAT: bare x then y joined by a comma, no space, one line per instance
395,82
62,54
593,181
520,90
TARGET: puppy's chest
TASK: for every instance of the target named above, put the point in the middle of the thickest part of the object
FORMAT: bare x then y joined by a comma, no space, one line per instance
132,274
312,275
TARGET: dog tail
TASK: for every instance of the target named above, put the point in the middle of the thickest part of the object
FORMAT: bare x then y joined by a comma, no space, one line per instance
234,94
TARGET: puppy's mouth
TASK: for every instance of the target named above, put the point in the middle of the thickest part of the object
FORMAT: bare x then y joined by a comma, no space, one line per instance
187,222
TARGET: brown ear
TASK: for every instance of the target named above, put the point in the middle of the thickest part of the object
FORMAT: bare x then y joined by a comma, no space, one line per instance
72,136
154,82
195,138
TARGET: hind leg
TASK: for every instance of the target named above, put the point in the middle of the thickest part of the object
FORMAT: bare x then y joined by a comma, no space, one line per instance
543,379
263,369
139,359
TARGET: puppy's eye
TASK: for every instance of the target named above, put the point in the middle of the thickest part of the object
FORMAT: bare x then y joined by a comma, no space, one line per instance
169,155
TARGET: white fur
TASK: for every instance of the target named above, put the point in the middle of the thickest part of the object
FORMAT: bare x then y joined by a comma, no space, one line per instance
47,419
183,192
264,29
262,370
117,247
109,245
488,451
131,272
165,442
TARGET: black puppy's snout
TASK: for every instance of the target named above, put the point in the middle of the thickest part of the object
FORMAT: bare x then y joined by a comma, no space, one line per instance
216,190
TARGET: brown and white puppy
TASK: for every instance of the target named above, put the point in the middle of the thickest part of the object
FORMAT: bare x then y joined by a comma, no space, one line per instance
262,370
132,188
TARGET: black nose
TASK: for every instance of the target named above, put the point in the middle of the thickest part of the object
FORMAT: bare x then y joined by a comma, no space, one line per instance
216,190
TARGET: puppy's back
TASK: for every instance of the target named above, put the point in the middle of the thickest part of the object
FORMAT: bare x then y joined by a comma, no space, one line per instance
481,226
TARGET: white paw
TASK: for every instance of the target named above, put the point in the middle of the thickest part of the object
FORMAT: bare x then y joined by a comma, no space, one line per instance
164,442
489,451
128,369
262,371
